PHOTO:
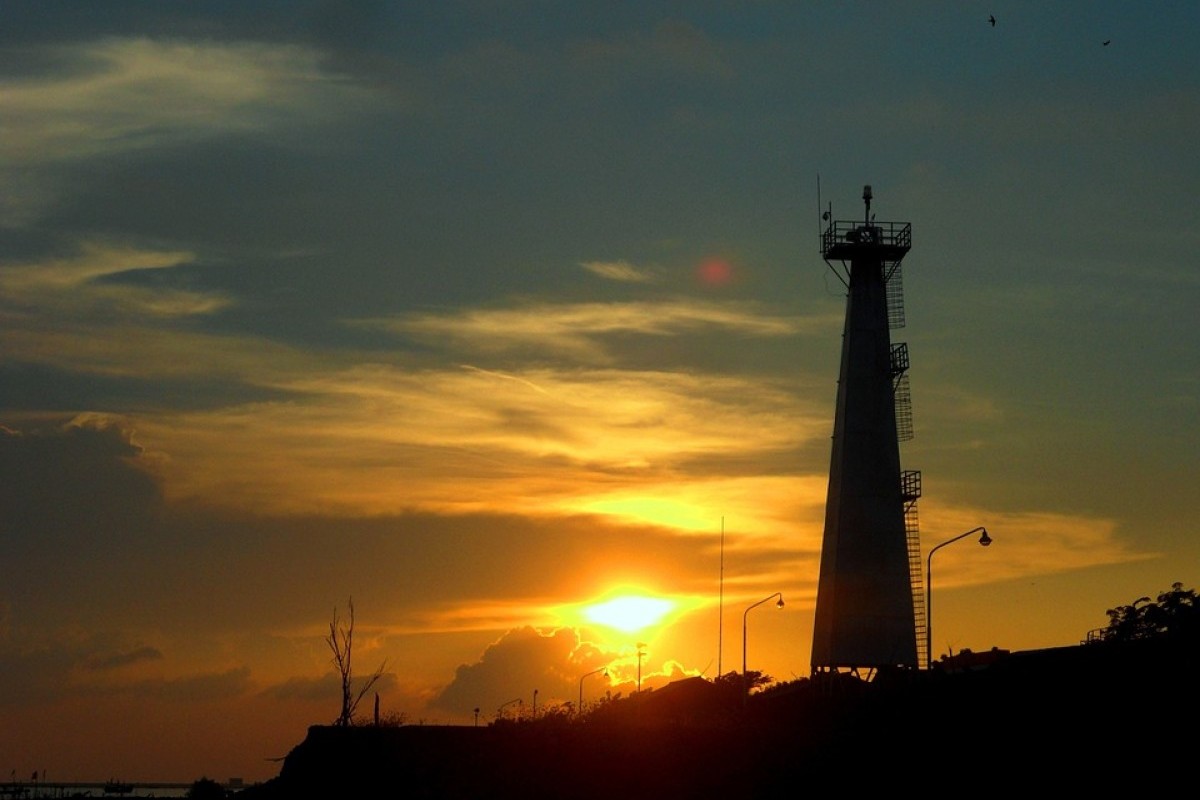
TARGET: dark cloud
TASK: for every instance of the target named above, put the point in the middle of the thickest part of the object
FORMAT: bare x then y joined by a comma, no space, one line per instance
38,667
34,674
118,660
325,688
91,457
59,483
234,682
62,391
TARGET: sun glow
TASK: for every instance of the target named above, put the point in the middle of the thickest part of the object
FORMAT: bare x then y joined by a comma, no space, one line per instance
629,613
630,609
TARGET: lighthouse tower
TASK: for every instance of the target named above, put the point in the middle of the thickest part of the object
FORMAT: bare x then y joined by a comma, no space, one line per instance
869,609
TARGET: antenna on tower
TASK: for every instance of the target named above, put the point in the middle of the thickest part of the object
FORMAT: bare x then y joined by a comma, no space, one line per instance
820,227
825,215
721,601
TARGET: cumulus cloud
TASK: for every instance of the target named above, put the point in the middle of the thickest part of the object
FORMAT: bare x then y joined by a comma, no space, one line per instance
552,662
522,660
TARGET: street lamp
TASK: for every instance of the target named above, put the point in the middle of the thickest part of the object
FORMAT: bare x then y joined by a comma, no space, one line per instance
984,540
640,653
744,620
579,708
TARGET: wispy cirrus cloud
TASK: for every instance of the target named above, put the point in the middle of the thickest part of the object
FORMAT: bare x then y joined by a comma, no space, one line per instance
575,329
1032,542
621,271
472,439
84,284
122,95
119,94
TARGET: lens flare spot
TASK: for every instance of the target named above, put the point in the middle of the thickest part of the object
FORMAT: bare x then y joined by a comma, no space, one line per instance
715,271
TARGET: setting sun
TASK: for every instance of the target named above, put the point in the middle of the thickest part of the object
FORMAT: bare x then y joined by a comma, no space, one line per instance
629,613
628,608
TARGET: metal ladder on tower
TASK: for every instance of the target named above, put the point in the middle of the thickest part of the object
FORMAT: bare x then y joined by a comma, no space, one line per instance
910,480
894,288
910,490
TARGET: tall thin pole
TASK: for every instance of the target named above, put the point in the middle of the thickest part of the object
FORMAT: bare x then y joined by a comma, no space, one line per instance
721,600
640,645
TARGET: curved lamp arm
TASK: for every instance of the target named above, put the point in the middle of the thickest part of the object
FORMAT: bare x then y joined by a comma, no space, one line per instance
746,614
984,540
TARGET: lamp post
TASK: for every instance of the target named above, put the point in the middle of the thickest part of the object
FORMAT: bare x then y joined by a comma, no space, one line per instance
579,708
500,710
640,653
984,540
746,614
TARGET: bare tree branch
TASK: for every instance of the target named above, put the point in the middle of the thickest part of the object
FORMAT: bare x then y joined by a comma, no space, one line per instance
341,644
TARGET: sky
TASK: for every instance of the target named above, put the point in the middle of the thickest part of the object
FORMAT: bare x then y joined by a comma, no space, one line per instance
482,316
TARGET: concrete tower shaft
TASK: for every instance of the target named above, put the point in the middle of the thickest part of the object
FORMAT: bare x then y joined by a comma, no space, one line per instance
865,614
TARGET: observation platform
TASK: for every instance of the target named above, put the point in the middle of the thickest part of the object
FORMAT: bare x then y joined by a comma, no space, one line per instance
884,241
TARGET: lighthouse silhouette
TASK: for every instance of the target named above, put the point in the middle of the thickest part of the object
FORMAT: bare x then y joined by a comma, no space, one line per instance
869,608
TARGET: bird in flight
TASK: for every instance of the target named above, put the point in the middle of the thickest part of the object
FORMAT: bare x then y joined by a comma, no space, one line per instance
992,21
1106,42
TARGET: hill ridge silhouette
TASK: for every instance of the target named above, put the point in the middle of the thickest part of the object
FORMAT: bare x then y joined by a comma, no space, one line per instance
1070,716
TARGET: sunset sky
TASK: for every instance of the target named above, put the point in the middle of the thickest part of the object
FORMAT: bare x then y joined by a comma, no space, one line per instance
485,314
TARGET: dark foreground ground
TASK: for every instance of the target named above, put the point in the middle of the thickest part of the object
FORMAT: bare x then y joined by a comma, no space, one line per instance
1110,717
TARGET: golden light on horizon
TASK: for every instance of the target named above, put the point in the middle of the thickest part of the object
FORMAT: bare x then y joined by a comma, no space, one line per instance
672,513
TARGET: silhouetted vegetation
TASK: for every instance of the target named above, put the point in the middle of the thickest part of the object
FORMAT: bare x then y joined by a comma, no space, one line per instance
1175,613
341,642
743,683
206,789
388,719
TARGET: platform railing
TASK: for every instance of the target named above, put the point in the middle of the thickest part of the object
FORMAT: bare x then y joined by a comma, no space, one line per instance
889,234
